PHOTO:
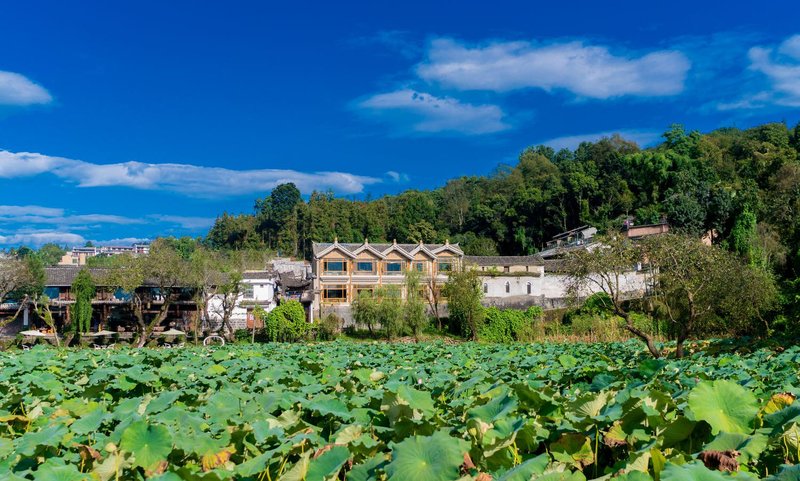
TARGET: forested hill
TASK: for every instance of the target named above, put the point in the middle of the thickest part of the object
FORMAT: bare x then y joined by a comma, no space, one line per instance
744,184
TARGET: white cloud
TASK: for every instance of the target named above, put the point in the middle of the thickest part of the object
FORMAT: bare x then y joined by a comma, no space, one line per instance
30,210
585,70
122,241
16,89
38,238
185,221
641,137
781,66
187,179
431,114
29,215
397,176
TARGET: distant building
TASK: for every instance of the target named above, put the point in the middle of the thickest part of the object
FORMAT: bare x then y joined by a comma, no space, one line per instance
633,231
572,239
78,255
343,270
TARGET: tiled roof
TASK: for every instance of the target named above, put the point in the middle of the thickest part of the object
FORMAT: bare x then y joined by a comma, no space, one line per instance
382,247
289,280
60,276
259,274
504,260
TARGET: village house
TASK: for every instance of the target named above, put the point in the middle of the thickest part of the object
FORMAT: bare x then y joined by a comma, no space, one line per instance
284,279
343,270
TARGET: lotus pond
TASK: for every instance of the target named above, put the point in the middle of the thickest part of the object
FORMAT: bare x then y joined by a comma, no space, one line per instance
402,412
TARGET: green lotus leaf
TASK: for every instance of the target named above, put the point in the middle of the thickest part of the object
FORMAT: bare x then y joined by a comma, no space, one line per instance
696,471
367,471
561,476
526,470
407,402
332,407
327,465
725,405
750,447
432,458
49,436
89,422
49,472
567,361
574,449
787,473
495,409
150,444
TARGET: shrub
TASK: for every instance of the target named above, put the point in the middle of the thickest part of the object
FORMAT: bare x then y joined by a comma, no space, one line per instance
242,335
330,326
286,323
509,325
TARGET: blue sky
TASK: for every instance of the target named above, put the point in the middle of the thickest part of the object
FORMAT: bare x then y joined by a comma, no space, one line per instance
123,121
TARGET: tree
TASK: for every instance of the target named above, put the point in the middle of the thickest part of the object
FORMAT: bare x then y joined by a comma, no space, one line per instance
390,311
17,282
152,280
365,310
700,285
83,288
414,315
286,323
51,254
463,292
604,269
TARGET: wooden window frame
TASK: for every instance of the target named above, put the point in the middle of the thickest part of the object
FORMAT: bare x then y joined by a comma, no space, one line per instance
357,271
334,300
325,270
394,273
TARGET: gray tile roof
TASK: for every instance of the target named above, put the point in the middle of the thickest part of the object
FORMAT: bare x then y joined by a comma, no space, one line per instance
504,260
318,247
259,274
61,276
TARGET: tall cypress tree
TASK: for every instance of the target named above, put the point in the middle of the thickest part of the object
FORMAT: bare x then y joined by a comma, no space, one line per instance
83,289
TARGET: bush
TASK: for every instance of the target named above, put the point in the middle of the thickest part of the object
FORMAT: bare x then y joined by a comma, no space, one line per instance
242,335
285,323
330,326
509,325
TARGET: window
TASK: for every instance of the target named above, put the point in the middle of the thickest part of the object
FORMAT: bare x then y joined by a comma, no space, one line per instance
486,288
365,267
507,269
508,287
445,266
364,290
334,294
529,288
419,266
334,266
248,291
394,267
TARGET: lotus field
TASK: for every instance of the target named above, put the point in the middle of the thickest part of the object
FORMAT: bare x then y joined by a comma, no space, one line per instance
402,412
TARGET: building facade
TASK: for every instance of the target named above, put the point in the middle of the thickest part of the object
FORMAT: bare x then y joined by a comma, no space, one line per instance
341,271
78,255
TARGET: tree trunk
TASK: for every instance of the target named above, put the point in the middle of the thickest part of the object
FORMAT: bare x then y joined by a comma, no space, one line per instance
679,352
647,339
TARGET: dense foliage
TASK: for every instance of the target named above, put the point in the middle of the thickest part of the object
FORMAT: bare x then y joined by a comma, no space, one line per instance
286,322
407,411
83,289
509,325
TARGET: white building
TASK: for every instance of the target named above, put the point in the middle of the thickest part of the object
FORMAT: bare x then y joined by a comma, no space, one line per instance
258,288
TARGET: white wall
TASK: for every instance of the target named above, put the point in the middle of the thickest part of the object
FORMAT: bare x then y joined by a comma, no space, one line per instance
263,294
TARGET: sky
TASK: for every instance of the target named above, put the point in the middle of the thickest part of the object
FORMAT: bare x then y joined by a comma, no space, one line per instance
123,121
